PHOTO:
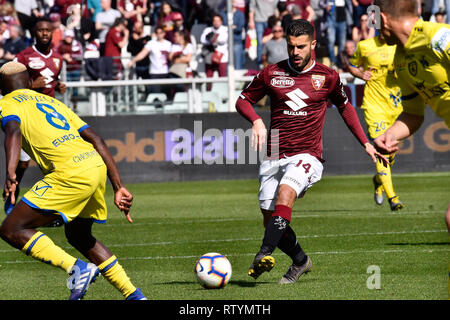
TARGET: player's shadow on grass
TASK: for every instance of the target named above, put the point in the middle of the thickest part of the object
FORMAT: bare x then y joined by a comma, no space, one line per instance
418,243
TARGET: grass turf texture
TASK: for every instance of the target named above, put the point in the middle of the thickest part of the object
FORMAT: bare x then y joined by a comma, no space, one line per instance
337,223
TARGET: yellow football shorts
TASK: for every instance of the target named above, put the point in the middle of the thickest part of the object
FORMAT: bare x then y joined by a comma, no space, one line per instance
82,195
378,122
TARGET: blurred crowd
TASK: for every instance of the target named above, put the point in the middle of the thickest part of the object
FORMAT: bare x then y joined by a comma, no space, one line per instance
182,38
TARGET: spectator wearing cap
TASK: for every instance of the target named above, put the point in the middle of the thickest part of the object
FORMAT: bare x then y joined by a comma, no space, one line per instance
58,29
177,19
116,39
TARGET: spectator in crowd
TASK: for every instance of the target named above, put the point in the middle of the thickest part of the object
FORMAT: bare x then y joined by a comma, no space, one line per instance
294,13
345,56
275,49
273,20
72,52
94,7
238,34
27,12
13,45
136,43
307,12
258,14
83,27
65,8
181,53
360,8
180,58
132,10
177,20
104,22
337,28
158,49
116,39
440,17
58,29
8,14
215,48
4,31
165,18
362,32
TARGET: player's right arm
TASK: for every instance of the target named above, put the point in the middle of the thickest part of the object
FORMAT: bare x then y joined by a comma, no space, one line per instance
13,145
254,92
123,198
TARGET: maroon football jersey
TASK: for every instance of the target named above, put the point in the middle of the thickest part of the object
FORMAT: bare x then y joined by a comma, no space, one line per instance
298,102
49,66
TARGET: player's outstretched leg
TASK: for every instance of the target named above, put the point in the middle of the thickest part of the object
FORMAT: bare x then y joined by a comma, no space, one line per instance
16,231
276,227
79,235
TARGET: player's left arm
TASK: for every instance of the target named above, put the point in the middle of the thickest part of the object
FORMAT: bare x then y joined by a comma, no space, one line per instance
13,145
350,117
123,198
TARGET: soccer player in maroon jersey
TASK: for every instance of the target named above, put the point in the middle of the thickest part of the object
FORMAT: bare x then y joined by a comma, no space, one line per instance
299,89
44,66
43,63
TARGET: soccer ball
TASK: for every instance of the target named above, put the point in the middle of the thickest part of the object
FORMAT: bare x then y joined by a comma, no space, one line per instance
213,270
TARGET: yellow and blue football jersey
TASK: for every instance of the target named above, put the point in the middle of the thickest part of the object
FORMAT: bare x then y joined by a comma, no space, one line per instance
382,96
75,174
423,66
50,132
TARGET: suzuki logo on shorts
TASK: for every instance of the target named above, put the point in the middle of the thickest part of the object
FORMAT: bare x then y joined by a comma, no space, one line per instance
297,96
282,82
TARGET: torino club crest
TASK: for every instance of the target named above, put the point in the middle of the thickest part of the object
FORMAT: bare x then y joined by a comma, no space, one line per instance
317,81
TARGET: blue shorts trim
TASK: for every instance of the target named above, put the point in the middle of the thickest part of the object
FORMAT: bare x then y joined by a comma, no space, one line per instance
32,205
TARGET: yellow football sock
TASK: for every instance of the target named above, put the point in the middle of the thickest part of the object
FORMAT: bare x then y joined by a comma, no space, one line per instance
42,248
116,275
384,177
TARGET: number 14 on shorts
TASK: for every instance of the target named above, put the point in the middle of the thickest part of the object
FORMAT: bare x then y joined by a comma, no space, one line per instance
305,165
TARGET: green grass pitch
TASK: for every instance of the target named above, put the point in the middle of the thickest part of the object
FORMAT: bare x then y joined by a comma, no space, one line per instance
337,223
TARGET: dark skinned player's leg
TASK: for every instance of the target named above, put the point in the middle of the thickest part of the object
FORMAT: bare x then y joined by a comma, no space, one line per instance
79,235
18,229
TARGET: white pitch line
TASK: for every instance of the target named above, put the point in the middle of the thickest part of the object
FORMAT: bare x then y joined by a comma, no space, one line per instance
252,254
257,217
314,236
